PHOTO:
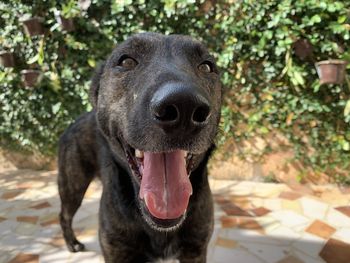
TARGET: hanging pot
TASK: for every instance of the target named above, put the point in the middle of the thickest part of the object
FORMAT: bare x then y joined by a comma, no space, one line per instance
331,71
303,48
67,24
33,26
31,77
7,59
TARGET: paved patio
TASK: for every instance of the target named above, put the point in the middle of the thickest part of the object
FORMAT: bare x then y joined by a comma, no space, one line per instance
255,222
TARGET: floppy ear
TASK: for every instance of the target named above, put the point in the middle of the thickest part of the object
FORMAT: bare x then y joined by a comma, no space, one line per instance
95,84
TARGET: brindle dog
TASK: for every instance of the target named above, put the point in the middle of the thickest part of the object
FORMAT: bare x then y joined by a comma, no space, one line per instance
156,108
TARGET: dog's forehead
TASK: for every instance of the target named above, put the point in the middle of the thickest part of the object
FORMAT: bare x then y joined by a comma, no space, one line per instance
187,43
148,41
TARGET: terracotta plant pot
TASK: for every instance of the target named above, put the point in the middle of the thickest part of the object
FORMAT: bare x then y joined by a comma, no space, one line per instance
31,77
33,26
303,48
331,71
7,59
67,24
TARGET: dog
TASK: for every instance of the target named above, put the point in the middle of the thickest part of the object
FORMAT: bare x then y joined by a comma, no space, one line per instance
156,110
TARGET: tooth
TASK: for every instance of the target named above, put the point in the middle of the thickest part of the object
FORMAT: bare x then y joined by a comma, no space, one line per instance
138,153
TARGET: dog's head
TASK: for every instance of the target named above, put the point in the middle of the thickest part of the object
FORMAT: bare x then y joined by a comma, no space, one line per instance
160,97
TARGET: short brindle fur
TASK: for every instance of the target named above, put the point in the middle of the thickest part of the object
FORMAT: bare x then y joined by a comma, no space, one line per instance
154,93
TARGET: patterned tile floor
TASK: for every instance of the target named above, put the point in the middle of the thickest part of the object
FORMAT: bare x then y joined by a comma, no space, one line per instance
254,222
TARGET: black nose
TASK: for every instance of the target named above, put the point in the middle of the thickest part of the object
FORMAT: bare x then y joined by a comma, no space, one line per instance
180,106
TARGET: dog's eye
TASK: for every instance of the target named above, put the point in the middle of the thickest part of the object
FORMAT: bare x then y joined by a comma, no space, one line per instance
206,67
127,62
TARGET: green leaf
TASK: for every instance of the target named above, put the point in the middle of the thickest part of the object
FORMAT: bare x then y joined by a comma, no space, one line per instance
92,62
346,146
264,130
41,53
2,76
296,77
342,19
347,108
33,59
56,107
315,19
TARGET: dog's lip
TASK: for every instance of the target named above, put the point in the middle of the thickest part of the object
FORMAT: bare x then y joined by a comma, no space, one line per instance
139,154
162,224
166,222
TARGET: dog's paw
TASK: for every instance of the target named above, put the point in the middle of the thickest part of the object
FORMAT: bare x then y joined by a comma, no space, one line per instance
76,246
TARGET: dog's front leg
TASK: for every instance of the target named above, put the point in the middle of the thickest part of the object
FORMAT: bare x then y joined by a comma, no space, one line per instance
194,253
199,259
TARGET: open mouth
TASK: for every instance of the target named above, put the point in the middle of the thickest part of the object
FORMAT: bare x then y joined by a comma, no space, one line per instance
165,187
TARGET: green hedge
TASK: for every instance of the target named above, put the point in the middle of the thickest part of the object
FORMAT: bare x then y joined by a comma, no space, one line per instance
268,86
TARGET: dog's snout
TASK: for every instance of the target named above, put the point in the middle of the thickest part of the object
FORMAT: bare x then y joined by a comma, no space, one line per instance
179,106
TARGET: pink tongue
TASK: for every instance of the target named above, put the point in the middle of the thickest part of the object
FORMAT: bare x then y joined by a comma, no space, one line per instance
165,185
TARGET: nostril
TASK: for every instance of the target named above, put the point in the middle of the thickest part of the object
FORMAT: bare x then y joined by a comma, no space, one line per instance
200,114
167,114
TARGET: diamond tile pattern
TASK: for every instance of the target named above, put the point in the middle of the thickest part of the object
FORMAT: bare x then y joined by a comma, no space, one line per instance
255,223
344,209
321,229
290,195
233,210
290,259
11,194
41,205
260,211
336,251
28,219
25,258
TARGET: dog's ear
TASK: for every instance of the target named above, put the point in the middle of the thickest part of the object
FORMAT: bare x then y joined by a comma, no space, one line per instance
95,84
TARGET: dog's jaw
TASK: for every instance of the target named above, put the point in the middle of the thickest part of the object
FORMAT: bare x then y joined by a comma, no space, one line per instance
161,227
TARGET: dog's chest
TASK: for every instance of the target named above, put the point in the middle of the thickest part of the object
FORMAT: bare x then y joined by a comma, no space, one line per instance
165,248
166,261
